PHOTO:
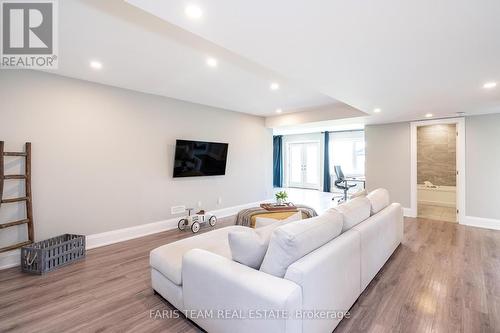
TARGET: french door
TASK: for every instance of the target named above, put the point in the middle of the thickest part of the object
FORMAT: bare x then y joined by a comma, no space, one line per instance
304,165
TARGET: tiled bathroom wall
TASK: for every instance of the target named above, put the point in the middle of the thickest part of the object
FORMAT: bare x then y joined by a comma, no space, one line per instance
436,154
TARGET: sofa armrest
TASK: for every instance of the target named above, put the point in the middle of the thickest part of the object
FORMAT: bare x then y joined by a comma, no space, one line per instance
329,277
235,298
380,235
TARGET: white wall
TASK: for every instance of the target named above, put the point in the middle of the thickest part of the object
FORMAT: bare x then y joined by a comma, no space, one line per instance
483,166
387,162
102,156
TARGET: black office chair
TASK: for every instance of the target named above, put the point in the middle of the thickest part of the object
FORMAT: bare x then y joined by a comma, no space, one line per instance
341,182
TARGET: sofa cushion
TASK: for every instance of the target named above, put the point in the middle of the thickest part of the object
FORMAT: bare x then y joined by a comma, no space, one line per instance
167,259
249,246
297,239
379,199
266,221
354,211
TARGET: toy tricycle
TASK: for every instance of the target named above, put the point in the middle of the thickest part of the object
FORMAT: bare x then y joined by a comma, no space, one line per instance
195,221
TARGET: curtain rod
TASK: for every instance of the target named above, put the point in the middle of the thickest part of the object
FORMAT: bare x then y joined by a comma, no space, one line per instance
356,130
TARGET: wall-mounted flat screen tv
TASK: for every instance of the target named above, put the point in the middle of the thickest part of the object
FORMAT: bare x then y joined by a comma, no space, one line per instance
199,158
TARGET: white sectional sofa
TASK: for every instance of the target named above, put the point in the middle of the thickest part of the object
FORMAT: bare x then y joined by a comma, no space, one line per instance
197,275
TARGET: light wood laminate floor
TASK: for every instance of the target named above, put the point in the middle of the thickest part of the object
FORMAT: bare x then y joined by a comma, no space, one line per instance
443,278
440,213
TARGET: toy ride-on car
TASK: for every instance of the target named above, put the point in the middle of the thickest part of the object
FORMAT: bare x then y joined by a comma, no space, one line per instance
195,221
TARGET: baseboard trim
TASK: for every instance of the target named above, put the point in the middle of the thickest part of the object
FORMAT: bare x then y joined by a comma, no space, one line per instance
12,259
472,221
480,222
408,212
121,235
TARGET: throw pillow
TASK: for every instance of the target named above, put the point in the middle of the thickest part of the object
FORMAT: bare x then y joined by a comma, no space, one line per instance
249,247
379,199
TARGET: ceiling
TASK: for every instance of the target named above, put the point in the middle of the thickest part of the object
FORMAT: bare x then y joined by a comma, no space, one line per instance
406,58
141,52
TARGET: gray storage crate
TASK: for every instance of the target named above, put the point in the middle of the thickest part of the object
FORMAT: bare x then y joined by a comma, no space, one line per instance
48,255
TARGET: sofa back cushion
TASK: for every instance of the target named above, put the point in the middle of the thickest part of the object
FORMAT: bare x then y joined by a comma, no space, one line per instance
379,199
294,240
354,211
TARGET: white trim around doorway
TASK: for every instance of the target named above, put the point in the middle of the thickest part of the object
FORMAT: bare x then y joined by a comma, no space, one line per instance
460,124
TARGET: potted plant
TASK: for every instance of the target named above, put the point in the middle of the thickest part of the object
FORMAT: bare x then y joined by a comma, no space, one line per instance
281,197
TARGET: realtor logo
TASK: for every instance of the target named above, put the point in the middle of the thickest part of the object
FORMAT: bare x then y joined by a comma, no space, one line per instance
29,36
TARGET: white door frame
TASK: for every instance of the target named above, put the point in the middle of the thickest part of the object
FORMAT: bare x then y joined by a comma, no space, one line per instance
460,156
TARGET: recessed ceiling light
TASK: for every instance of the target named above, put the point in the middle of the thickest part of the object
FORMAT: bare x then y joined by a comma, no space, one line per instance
212,62
489,85
429,115
274,86
279,110
95,64
377,110
193,12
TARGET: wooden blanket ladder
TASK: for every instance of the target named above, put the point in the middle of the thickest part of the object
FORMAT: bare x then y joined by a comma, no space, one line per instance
26,198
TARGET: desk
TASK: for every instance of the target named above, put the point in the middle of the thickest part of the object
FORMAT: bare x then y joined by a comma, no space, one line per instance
346,182
357,180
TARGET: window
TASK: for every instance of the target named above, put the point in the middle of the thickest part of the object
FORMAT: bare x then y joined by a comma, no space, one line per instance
347,149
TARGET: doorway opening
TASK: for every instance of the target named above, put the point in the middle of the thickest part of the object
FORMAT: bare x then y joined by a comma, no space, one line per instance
304,165
437,172
437,169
